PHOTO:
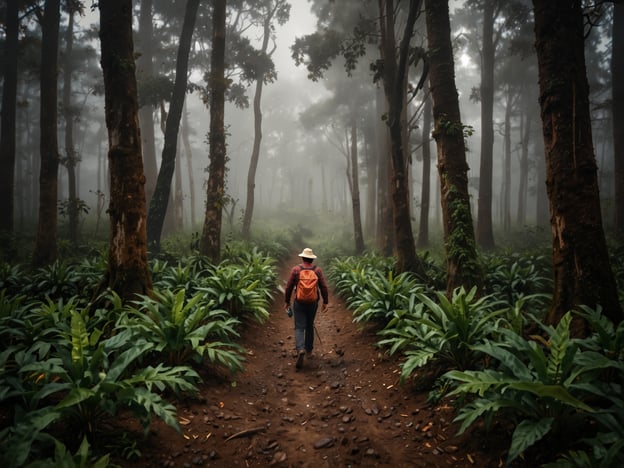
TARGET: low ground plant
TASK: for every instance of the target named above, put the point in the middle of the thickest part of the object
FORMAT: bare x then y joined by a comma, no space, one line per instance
546,388
442,333
183,331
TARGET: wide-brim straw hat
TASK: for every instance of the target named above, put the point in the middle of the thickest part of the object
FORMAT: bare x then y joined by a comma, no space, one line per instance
307,253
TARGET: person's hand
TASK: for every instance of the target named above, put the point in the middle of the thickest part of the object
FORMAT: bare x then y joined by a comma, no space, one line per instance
324,308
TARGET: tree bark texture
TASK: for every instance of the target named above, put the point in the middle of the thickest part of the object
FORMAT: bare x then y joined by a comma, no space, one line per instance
8,128
145,71
210,244
425,193
485,234
160,198
617,82
128,273
385,236
394,76
46,242
71,157
582,274
463,268
355,191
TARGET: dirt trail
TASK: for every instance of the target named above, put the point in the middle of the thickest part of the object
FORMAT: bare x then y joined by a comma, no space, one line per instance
344,407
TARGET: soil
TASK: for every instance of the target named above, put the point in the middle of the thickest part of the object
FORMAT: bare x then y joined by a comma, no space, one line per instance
344,407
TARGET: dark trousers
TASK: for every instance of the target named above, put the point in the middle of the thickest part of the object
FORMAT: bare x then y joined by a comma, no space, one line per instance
304,325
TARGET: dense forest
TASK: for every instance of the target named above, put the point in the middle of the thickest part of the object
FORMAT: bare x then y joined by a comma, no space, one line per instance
456,160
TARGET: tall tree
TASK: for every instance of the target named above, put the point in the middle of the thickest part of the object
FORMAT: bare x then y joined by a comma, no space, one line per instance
425,193
269,10
145,73
160,199
210,244
7,118
46,242
485,233
582,273
128,273
394,76
617,83
71,159
354,187
463,268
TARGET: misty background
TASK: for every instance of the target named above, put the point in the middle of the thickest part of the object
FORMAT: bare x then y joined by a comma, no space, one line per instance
303,164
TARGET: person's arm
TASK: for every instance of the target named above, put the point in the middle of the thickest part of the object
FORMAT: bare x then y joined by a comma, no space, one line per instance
290,285
323,287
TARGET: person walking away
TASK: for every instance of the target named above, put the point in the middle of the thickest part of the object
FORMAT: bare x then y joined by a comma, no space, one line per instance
308,283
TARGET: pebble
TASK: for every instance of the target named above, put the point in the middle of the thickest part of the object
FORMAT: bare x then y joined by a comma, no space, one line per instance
325,442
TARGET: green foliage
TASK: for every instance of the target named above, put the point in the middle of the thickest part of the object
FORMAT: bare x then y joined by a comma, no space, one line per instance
350,275
445,332
237,290
70,373
81,459
182,331
383,296
538,385
514,276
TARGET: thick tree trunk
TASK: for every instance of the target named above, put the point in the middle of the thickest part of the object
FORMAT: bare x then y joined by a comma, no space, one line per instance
385,236
46,241
580,258
160,198
463,268
425,193
355,192
393,79
128,273
210,244
145,71
7,118
485,234
617,83
71,157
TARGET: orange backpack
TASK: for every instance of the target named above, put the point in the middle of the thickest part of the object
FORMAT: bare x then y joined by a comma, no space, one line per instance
307,285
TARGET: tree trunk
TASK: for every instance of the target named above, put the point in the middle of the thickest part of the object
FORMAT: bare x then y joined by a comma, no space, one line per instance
523,184
394,75
145,71
506,188
210,244
425,193
463,268
485,235
162,192
128,273
355,191
188,152
71,157
7,118
270,11
371,175
617,83
580,258
46,241
385,236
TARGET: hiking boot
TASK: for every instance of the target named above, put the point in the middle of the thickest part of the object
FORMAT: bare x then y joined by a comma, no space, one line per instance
299,363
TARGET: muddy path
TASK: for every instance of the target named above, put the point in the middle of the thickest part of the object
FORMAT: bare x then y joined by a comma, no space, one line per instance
345,407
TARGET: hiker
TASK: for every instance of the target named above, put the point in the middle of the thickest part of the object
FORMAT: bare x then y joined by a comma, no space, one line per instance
307,280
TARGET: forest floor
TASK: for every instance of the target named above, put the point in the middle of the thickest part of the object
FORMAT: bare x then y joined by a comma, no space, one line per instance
344,407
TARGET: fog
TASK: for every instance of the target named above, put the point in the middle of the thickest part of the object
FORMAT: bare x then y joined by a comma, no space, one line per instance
302,166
